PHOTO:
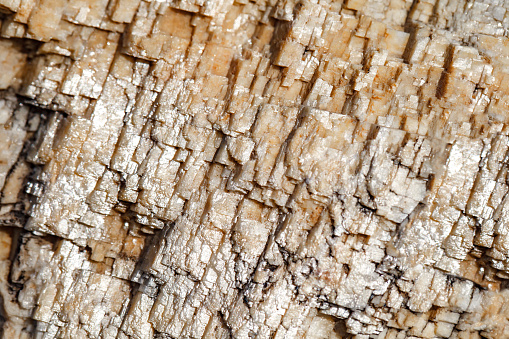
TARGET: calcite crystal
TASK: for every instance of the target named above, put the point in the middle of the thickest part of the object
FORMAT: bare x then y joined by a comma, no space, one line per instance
254,169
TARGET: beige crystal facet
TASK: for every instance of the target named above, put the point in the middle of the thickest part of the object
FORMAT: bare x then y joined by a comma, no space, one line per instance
254,169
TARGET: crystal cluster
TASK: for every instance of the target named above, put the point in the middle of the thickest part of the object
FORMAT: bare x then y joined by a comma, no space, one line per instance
254,169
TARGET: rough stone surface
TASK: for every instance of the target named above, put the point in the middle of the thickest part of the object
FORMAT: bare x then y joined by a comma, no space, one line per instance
254,169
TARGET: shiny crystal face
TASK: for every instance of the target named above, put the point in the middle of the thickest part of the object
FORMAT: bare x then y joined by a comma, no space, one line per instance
254,169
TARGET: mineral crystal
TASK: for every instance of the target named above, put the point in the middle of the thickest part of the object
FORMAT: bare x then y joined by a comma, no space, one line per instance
254,169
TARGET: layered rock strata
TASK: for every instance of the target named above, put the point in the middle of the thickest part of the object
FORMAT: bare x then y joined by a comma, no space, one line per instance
254,169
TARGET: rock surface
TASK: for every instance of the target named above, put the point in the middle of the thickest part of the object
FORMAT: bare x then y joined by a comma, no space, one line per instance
254,169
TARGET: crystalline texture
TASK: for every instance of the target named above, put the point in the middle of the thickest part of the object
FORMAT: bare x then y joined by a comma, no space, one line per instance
250,168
